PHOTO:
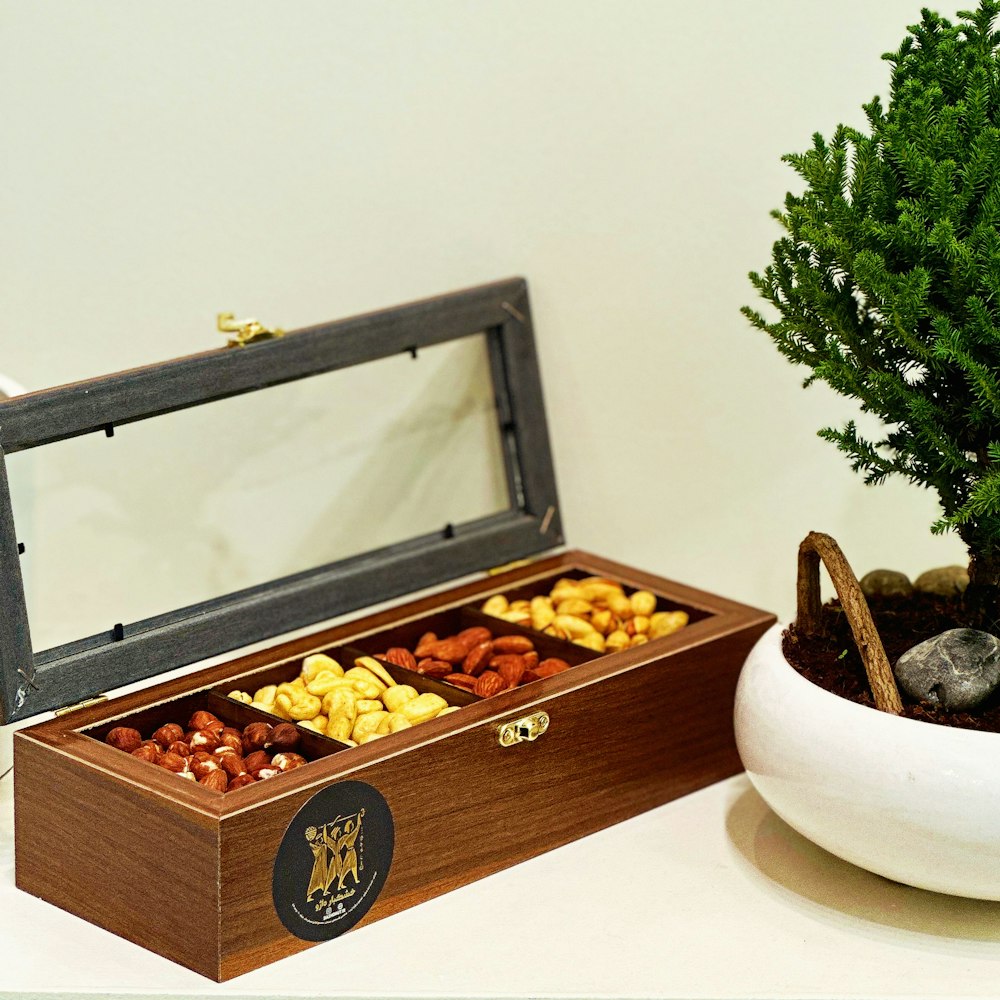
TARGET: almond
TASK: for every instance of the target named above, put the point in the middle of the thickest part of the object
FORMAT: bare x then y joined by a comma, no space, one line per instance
453,650
511,667
477,658
460,680
512,644
400,657
475,635
553,665
427,639
434,668
489,684
531,659
240,781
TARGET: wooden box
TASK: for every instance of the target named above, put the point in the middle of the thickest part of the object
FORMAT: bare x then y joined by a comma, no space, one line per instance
121,842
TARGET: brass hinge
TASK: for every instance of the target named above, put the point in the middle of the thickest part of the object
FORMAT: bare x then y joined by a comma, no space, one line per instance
86,703
245,331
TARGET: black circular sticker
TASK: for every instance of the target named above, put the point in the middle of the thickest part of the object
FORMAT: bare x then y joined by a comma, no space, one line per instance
333,861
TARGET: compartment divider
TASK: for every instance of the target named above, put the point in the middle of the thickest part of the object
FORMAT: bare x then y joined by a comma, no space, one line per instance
422,683
312,745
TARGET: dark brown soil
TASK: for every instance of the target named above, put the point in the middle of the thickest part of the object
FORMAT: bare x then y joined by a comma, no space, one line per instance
831,659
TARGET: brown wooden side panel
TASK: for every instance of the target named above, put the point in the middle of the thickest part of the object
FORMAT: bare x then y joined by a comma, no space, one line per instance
117,855
465,807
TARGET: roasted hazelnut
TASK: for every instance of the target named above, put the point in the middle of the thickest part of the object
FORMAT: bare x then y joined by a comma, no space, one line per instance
186,774
180,748
232,764
124,738
287,761
205,740
201,768
256,736
232,738
170,733
224,750
257,760
284,736
173,762
147,753
217,780
263,773
240,781
206,720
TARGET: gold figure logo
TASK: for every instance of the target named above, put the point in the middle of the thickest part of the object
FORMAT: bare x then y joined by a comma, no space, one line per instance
337,849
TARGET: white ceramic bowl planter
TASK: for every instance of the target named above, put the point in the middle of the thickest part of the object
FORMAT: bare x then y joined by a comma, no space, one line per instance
913,801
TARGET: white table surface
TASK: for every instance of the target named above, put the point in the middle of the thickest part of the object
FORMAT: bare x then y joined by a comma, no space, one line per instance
709,896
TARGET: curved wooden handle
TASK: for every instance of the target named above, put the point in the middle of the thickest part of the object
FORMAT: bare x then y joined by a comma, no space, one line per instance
816,546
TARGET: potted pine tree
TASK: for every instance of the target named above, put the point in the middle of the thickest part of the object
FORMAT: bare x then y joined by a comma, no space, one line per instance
886,285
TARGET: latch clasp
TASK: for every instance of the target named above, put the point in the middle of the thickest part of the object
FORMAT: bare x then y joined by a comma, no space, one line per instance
525,730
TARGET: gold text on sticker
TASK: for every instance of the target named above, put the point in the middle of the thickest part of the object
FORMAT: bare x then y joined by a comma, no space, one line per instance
338,856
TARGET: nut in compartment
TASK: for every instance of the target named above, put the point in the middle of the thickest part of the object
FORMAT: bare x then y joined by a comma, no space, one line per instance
349,697
213,742
462,646
592,611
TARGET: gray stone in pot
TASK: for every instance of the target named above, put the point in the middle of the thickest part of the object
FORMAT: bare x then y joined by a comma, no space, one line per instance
886,583
945,581
955,670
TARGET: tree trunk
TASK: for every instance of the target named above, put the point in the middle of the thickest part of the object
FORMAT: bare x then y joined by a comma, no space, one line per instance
982,598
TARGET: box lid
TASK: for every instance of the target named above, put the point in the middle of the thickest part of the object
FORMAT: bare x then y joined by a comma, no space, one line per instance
33,680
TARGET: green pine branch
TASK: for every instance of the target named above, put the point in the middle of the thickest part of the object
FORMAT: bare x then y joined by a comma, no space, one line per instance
886,281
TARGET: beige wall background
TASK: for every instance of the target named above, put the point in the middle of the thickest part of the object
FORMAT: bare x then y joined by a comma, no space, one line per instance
306,161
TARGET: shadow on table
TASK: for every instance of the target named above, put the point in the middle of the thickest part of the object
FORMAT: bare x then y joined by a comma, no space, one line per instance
840,890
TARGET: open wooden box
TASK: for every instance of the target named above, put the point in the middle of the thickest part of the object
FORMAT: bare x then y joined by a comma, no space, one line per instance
125,844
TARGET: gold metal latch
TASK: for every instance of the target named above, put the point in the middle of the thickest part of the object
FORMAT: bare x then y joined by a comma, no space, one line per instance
525,730
86,703
247,331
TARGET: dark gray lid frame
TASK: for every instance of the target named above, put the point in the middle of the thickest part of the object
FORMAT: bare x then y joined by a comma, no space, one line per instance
30,684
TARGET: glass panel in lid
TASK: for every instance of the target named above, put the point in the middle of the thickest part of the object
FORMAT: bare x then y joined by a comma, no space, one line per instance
189,506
